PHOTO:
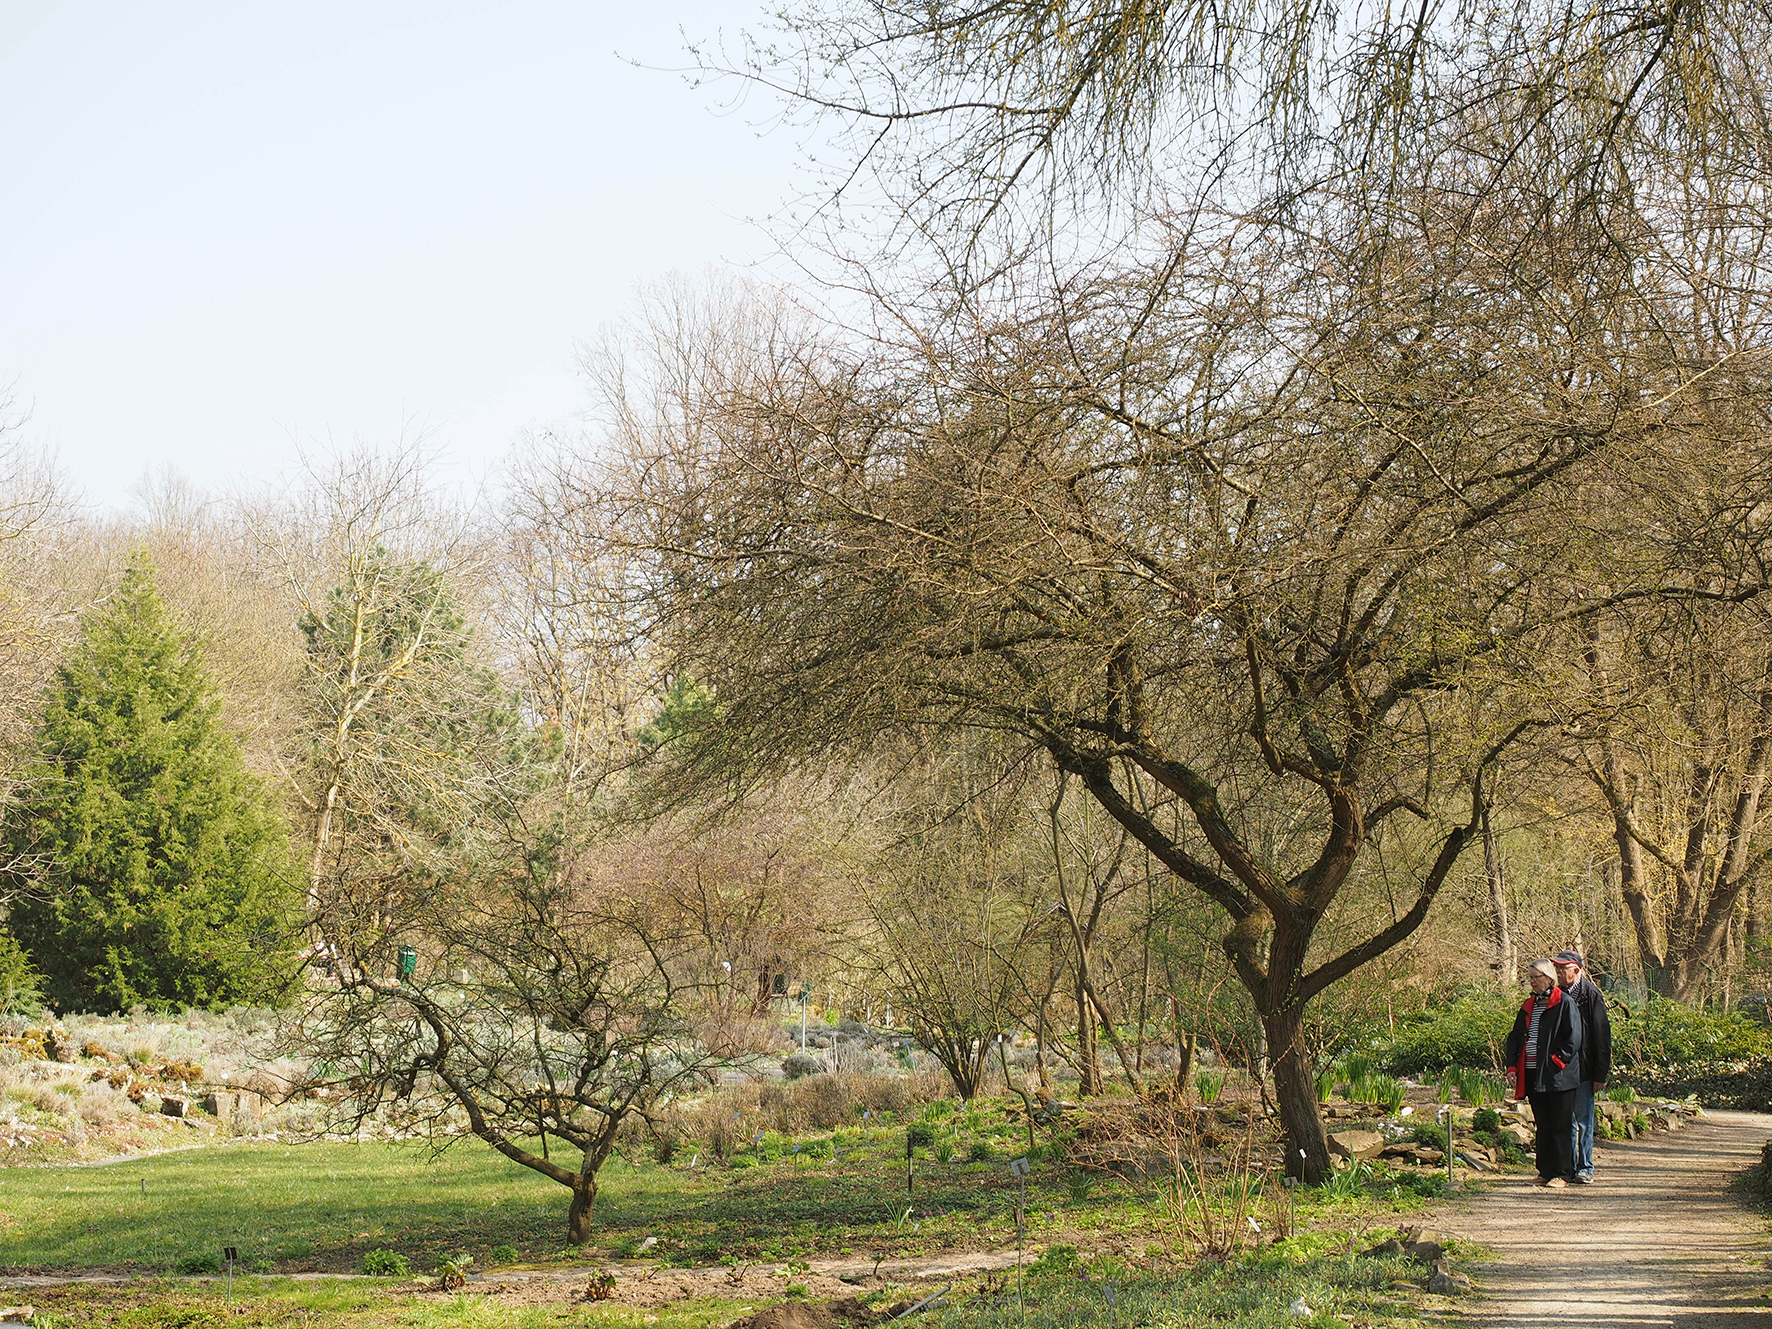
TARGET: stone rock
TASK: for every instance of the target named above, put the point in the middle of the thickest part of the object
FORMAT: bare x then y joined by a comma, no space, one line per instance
173,1106
1520,1134
1356,1144
1390,1247
1413,1235
1428,1252
1448,1284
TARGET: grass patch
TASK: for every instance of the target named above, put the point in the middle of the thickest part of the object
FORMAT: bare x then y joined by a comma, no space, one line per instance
325,1206
277,1303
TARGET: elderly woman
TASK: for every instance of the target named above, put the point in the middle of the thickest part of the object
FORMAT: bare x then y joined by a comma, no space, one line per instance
1544,1067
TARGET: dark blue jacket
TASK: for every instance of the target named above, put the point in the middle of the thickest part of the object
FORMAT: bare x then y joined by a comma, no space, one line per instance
1559,1047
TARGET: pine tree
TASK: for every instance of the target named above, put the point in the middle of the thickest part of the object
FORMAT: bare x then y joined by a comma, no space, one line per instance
165,868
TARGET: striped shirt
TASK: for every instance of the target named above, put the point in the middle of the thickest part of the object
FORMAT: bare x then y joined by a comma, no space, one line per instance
1539,1001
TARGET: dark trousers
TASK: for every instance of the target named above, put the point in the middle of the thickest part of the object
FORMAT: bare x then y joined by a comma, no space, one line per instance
1554,1116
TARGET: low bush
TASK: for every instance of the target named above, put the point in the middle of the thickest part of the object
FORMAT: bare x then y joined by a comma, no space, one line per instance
1466,1032
1434,1137
503,1254
386,1264
199,1262
1663,1033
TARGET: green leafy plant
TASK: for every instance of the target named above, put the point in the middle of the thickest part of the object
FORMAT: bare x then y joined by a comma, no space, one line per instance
1465,1032
1208,1085
1347,1183
1380,1091
386,1264
1326,1081
982,1151
452,1271
503,1254
919,1136
1486,1119
1661,1032
798,1291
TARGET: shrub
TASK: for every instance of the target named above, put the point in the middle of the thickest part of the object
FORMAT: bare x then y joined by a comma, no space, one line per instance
1434,1137
1465,1032
386,1264
801,1064
918,1135
21,986
1665,1033
199,1262
1486,1119
503,1254
982,1151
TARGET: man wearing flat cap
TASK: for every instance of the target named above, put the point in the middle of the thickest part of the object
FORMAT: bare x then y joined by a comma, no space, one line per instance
1596,1054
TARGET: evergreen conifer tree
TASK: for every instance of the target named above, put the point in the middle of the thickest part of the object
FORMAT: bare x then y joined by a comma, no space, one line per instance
165,868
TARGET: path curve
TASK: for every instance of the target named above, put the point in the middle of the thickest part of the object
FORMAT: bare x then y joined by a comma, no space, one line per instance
1657,1242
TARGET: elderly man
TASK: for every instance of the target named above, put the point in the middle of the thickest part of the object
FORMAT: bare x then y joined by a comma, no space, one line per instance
1596,1054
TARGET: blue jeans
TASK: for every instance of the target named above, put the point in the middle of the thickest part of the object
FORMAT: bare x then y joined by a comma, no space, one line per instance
1584,1127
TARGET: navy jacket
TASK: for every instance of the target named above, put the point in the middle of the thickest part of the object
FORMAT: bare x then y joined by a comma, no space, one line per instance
1596,1030
1559,1047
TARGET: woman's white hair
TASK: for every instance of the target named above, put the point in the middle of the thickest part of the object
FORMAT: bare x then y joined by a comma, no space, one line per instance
1544,967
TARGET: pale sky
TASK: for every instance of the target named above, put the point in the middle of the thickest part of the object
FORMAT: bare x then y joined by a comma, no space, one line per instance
228,227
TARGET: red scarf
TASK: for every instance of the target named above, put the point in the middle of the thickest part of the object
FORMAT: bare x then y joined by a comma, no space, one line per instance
1552,1000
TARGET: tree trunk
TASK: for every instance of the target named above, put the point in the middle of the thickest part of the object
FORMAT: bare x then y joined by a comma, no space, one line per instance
1088,1047
578,1217
1295,1087
1500,927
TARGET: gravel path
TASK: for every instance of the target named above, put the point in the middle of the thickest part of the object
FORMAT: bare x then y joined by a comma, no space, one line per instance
1657,1242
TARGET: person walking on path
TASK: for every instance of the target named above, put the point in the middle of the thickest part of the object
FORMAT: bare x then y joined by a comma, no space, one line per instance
1596,1054
1544,1067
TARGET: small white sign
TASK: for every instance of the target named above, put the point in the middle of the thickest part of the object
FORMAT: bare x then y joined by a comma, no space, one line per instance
1018,1167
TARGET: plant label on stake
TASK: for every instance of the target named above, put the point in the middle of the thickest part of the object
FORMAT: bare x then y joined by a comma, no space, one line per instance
230,1254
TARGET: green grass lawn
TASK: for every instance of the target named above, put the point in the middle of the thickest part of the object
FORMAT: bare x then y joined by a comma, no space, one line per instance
321,1206
276,1303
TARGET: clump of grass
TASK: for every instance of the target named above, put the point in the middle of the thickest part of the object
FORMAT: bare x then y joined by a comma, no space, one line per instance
386,1264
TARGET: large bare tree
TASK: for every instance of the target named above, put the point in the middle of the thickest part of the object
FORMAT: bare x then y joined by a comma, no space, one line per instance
1263,523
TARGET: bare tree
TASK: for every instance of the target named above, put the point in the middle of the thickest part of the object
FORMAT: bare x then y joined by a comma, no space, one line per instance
1257,526
1678,747
537,999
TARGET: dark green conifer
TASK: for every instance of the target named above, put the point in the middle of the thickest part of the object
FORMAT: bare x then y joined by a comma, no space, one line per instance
164,872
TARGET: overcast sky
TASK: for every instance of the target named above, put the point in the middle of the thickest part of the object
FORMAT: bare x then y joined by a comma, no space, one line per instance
229,227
